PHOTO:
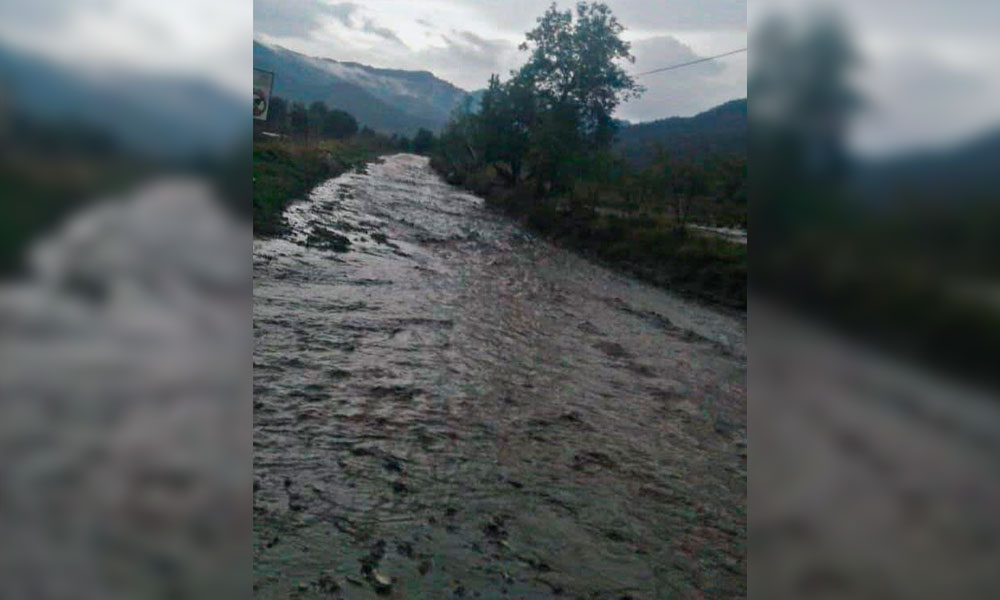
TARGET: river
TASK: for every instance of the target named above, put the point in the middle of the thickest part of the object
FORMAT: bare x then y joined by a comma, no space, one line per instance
447,406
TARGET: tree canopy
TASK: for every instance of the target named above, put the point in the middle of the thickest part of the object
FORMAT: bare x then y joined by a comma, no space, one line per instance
554,114
424,141
575,66
315,121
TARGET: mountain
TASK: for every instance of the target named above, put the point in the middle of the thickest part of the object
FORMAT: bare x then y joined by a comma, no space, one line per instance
721,130
163,116
963,172
387,100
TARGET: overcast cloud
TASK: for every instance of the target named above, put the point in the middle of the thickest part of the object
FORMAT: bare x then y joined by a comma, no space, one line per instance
929,72
191,38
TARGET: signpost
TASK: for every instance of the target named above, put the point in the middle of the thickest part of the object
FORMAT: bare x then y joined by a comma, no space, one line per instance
263,81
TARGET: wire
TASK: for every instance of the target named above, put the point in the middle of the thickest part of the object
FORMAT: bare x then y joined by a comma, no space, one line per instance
693,62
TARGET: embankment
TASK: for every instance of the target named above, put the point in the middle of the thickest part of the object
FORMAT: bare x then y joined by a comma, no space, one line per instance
706,268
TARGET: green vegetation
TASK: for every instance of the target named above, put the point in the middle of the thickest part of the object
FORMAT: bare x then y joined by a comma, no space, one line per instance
423,142
909,265
317,121
41,192
50,169
720,131
644,242
540,148
298,147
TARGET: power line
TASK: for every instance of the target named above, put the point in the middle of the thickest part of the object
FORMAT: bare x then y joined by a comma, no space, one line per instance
693,62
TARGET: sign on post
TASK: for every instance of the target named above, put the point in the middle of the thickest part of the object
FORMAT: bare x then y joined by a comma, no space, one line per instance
262,84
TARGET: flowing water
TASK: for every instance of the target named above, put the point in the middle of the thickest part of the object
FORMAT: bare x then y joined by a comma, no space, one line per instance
447,406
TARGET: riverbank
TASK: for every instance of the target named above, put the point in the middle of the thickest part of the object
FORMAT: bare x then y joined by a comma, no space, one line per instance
707,268
287,170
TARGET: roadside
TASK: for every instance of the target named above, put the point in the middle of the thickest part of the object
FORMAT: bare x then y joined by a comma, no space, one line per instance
708,268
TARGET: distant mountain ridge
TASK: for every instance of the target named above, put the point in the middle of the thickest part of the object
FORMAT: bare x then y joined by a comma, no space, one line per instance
965,171
387,100
718,131
165,116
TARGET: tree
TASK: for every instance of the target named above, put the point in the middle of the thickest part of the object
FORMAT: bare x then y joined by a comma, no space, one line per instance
577,83
507,115
317,115
556,147
574,66
460,142
339,125
685,183
554,116
423,142
298,118
277,114
802,107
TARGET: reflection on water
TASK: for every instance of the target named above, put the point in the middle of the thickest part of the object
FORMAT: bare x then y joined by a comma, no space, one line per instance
444,401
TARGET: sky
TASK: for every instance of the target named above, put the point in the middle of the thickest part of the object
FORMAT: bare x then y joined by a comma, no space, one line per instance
930,67
204,39
928,72
465,41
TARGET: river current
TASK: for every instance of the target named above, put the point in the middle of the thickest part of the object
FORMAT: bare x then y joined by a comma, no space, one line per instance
447,406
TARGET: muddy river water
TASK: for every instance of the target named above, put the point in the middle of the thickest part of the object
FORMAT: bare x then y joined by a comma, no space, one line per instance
446,406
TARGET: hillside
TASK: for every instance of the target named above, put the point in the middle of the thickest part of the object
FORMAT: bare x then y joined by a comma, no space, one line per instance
387,100
962,173
162,116
721,130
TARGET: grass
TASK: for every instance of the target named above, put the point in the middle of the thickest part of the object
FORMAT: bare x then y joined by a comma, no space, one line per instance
41,192
707,268
646,245
286,170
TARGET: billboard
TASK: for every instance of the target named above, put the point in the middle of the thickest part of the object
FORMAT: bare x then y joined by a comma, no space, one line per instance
262,84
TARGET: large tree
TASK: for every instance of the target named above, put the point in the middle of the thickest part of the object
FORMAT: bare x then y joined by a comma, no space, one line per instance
553,117
338,124
576,65
507,116
803,103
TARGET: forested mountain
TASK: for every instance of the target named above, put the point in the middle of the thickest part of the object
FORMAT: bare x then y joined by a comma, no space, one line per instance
387,100
719,131
953,176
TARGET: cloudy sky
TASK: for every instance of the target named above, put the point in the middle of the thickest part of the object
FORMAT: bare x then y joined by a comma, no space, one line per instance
929,73
464,41
930,70
192,38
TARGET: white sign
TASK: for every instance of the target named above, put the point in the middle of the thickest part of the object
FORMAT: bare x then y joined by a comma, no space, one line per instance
262,83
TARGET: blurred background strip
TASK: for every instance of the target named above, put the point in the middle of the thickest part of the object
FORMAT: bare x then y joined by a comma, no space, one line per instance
125,294
875,202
